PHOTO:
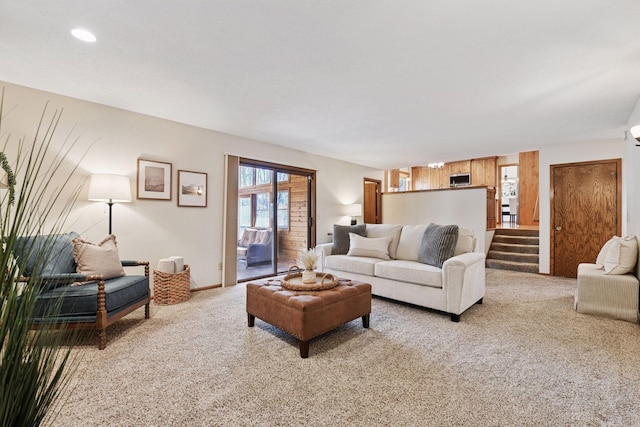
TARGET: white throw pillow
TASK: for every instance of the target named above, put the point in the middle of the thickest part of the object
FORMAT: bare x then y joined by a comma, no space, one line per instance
465,241
602,256
410,241
101,259
621,256
386,230
372,247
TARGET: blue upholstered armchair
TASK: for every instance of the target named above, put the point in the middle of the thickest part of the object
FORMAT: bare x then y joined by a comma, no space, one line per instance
86,300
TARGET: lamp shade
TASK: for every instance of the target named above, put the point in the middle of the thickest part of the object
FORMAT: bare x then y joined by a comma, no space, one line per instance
354,209
635,132
109,188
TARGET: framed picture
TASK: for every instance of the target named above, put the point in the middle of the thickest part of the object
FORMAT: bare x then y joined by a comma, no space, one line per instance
192,189
154,180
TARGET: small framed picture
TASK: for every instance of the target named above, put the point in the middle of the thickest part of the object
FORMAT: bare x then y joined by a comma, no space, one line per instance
154,180
192,189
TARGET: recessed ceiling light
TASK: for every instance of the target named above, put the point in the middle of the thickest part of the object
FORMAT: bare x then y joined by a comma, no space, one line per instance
83,35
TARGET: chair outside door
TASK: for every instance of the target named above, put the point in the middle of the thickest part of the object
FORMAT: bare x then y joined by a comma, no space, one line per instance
513,210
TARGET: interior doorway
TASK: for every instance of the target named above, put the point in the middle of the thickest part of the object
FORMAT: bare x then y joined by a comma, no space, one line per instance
275,211
372,201
585,212
509,198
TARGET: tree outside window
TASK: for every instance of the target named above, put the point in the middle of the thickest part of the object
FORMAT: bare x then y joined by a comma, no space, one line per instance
246,176
283,209
263,218
263,176
244,214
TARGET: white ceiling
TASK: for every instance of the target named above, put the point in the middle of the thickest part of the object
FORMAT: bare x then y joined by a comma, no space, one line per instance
381,83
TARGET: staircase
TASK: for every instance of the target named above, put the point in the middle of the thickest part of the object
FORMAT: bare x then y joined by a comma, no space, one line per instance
515,249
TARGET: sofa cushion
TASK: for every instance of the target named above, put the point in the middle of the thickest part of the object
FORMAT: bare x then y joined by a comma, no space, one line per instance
248,236
341,237
621,255
465,241
602,255
83,300
262,236
102,258
55,251
411,272
438,244
410,240
386,230
350,264
373,247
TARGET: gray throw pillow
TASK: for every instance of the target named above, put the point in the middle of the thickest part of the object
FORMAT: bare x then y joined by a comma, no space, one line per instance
438,244
341,237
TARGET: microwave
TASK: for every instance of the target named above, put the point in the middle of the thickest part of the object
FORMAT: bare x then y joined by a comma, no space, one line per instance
459,179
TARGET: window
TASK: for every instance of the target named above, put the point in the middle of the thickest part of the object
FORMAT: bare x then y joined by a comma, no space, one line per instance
246,176
244,214
262,210
405,181
282,177
263,176
283,210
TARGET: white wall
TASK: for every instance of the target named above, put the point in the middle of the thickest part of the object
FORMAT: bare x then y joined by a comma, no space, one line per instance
151,229
463,206
554,155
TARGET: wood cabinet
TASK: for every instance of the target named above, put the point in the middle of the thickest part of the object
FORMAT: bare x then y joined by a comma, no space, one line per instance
483,171
463,166
394,178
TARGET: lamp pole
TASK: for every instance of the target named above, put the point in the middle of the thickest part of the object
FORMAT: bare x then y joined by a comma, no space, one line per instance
110,203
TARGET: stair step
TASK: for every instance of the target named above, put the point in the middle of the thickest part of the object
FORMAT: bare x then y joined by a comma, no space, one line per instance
516,232
517,248
512,239
525,267
516,257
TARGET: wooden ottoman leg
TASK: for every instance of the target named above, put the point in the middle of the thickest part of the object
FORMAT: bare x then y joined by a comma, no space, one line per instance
251,319
365,320
304,349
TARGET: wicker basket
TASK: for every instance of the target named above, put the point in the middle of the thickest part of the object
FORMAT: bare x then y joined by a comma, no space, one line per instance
171,288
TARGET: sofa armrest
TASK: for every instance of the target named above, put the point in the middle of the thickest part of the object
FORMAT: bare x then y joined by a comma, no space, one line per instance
463,278
324,249
132,263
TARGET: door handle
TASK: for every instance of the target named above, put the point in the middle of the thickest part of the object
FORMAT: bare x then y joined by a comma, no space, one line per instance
558,228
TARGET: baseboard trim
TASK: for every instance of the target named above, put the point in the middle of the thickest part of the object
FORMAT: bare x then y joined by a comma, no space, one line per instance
206,288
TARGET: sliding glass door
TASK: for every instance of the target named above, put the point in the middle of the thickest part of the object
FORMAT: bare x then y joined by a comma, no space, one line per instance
275,217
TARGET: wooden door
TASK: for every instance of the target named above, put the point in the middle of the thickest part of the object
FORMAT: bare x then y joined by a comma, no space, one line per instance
585,212
528,173
372,201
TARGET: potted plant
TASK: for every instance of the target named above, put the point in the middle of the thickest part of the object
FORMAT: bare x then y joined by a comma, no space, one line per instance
308,260
35,363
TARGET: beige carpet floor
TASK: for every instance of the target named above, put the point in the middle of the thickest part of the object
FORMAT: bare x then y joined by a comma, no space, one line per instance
523,358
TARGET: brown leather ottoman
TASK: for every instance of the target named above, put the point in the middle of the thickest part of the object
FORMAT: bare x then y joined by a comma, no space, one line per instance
306,315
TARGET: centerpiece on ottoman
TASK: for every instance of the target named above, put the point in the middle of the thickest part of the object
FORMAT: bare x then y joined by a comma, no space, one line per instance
308,259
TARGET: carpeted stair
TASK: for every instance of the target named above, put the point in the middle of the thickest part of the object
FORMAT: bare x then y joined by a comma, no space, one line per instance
515,249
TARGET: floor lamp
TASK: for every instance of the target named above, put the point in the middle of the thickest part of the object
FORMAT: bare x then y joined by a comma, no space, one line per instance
109,189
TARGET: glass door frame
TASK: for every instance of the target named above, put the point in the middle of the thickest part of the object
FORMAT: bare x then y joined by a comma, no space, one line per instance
311,201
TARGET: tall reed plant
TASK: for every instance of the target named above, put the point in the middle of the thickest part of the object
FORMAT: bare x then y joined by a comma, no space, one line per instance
36,364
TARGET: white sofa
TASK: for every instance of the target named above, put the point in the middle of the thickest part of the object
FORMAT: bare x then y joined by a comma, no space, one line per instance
455,287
